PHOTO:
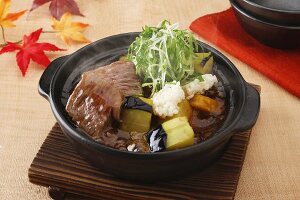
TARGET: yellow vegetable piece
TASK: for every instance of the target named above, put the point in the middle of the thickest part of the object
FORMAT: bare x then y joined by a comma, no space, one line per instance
179,133
204,103
185,110
207,68
134,120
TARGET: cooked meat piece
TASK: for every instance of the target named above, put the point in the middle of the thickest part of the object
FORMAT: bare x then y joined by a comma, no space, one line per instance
99,95
121,74
123,140
113,139
140,142
90,105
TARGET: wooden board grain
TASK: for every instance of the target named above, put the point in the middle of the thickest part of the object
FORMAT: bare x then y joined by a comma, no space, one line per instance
58,166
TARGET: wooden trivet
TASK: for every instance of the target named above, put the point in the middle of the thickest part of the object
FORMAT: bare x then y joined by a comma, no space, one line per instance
58,166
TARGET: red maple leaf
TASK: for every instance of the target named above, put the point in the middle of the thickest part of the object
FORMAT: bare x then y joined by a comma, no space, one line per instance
30,50
58,7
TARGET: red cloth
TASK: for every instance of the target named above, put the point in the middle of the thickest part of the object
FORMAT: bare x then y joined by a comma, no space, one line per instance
223,29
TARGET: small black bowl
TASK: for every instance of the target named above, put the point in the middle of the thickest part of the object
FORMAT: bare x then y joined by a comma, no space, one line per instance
58,80
283,12
277,36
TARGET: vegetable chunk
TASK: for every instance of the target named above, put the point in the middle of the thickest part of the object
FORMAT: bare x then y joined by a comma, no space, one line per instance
204,103
204,63
134,120
136,114
185,110
179,133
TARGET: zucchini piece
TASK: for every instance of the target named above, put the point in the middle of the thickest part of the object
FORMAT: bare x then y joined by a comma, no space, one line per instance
204,63
179,133
136,115
134,120
173,134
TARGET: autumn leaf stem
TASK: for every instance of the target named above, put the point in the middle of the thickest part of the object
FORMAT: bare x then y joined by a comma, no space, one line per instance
49,32
18,42
3,35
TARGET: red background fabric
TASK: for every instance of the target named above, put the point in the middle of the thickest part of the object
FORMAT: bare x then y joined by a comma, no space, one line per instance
223,30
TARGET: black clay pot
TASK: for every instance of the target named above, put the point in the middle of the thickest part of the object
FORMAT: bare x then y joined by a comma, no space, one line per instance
284,12
242,102
274,35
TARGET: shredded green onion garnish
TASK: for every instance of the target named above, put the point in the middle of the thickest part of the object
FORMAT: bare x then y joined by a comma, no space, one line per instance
163,55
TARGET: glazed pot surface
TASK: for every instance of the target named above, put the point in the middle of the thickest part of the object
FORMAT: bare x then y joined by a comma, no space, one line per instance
277,36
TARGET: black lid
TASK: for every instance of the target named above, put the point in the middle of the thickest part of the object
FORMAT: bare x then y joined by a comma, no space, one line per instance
282,5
